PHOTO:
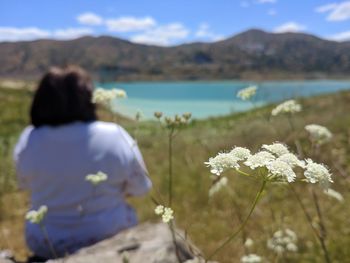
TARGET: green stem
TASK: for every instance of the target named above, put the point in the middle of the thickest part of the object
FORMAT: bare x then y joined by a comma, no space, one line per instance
234,234
322,236
319,236
242,173
173,236
306,213
170,156
291,124
47,239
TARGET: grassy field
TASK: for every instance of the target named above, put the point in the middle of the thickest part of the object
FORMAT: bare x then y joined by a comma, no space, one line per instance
209,220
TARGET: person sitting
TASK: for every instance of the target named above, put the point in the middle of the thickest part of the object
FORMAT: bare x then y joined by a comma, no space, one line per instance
54,155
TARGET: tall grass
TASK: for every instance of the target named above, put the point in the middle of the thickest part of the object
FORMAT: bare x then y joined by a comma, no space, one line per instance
207,221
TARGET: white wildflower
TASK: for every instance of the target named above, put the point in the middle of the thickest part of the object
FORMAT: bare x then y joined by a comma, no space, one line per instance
120,93
168,215
289,106
159,210
166,212
37,216
318,133
276,148
249,242
317,173
281,171
251,258
282,241
96,179
222,162
291,160
104,96
221,183
240,153
247,93
260,159
334,194
292,247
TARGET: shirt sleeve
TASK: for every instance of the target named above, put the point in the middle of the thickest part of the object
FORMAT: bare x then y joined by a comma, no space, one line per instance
18,157
137,181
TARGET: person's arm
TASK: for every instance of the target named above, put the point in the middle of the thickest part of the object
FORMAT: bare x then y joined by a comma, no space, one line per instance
137,181
17,157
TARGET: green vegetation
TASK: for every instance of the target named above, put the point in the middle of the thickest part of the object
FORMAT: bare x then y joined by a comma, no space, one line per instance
253,54
209,221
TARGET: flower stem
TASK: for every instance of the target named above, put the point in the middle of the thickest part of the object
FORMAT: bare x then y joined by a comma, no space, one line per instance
319,236
47,239
306,213
170,156
290,121
234,234
242,173
323,233
173,236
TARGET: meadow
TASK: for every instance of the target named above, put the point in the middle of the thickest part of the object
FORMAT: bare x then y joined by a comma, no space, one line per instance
209,220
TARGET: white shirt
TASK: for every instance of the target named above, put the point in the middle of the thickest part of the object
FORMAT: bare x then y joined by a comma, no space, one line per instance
52,163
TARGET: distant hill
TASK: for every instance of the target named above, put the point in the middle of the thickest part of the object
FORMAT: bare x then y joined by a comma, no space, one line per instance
253,54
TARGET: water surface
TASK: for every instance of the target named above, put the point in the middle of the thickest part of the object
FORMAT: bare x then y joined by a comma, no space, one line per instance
211,98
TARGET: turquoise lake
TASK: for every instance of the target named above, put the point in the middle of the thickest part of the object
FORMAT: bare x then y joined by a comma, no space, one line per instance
213,98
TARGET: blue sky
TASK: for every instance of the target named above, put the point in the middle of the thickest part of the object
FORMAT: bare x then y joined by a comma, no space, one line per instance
170,22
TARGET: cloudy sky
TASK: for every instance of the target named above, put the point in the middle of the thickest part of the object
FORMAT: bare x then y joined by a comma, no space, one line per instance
170,22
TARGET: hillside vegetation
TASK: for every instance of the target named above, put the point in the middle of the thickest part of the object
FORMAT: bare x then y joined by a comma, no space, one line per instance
209,220
253,54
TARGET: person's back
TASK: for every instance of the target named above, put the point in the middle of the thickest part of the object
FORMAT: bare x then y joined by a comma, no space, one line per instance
53,162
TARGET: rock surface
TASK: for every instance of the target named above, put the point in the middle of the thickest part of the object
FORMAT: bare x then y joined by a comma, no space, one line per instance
6,256
146,243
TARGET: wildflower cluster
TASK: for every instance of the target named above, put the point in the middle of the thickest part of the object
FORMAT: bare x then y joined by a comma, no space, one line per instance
247,93
105,97
174,122
217,186
289,106
37,216
319,134
251,258
317,173
273,162
283,241
166,212
96,179
224,161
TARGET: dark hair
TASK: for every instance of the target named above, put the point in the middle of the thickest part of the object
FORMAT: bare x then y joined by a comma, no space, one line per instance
63,96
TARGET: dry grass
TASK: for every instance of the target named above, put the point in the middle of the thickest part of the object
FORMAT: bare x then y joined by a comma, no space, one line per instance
209,221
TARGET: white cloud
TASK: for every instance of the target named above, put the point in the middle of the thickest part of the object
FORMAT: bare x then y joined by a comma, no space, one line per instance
244,4
31,33
162,35
336,11
266,1
71,33
129,24
89,19
290,27
272,12
205,33
343,36
326,8
26,33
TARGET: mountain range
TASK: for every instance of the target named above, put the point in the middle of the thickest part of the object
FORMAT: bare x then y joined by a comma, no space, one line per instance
253,54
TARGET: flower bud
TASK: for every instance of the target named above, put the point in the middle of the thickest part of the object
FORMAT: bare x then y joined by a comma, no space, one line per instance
158,114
